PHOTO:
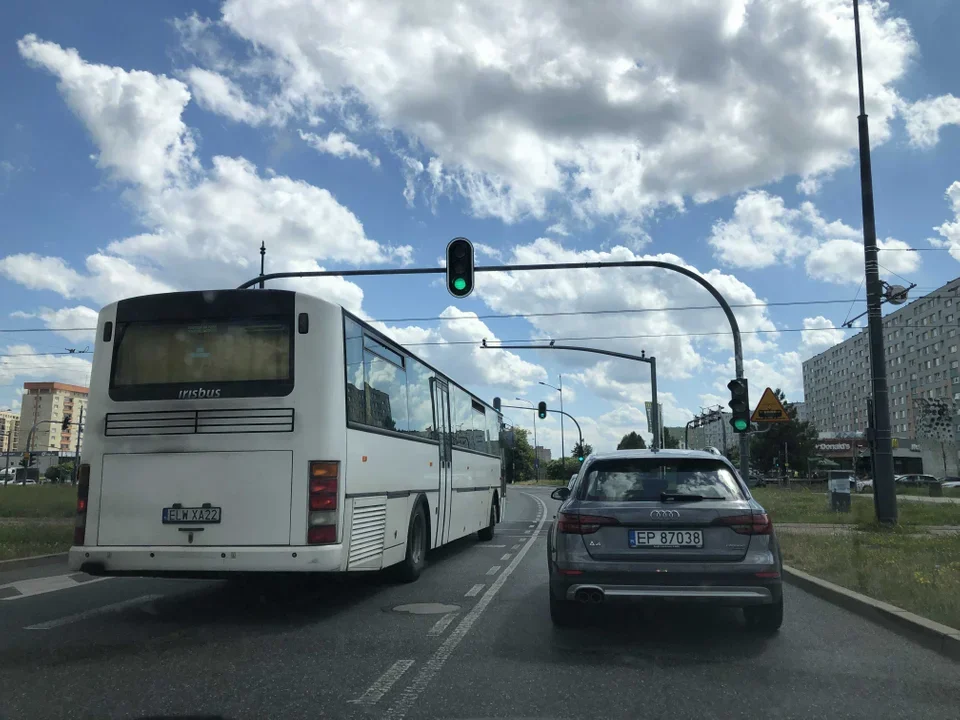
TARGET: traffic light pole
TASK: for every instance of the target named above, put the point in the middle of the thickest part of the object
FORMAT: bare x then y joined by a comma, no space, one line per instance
696,277
651,361
561,412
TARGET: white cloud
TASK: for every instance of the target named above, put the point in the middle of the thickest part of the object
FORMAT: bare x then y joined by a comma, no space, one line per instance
925,118
950,230
133,117
202,228
615,108
338,145
64,319
218,93
819,333
841,261
457,352
558,228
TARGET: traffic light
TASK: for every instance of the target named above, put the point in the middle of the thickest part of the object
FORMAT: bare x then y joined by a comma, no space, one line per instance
580,458
739,405
460,267
542,410
66,422
496,404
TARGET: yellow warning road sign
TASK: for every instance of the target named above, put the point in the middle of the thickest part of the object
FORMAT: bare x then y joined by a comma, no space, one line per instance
769,409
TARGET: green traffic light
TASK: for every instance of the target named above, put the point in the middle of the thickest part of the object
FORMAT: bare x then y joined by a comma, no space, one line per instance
740,424
460,284
580,458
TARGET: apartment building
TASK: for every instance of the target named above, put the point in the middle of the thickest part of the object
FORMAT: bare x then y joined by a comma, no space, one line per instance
44,406
923,362
9,430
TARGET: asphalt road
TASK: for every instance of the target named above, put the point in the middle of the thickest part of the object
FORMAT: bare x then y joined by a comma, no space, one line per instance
130,648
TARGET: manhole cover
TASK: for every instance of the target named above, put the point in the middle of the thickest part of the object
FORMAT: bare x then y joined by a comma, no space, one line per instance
426,608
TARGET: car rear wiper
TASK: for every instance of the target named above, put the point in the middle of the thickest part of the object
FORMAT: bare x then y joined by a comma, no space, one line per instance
665,496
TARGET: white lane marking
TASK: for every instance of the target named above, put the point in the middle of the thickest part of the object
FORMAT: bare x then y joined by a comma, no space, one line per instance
517,546
409,696
40,586
491,546
530,526
440,625
506,556
87,614
475,590
527,532
383,683
494,570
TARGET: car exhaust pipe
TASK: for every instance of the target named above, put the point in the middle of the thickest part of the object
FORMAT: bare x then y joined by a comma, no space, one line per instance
582,596
596,596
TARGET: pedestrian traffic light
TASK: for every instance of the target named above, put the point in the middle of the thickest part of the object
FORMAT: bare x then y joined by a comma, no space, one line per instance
542,410
739,405
66,422
460,267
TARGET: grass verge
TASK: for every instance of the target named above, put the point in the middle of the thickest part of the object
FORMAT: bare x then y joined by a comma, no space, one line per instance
925,492
805,506
23,538
917,573
38,501
541,483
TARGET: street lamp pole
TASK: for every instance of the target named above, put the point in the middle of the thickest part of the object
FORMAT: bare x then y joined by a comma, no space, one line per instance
536,458
563,451
884,490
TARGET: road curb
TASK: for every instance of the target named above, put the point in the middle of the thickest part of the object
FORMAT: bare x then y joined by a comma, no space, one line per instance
32,561
941,638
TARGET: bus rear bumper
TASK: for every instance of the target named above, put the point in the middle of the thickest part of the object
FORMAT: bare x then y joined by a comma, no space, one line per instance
204,562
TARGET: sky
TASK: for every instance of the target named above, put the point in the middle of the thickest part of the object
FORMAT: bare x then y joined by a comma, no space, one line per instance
152,147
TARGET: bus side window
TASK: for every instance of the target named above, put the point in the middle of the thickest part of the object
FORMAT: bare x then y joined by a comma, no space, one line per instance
419,401
356,393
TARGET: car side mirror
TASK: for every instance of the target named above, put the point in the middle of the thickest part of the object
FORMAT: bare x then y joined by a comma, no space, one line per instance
561,493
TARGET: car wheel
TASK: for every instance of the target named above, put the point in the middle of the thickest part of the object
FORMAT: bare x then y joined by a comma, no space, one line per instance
562,612
486,534
765,618
416,558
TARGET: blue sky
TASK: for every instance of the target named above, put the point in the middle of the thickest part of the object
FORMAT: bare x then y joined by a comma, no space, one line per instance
152,146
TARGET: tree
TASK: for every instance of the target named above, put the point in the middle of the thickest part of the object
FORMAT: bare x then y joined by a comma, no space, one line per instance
800,439
581,450
52,473
669,441
522,456
632,441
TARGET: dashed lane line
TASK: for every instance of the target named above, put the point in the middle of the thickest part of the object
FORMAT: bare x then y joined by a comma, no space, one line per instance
383,683
506,556
94,612
409,696
440,625
475,590
40,586
494,570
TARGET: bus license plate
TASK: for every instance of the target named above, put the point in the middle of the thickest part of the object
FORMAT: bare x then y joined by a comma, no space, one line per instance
666,538
197,515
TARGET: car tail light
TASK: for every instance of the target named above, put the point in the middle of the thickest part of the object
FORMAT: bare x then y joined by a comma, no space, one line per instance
756,524
83,493
582,524
324,486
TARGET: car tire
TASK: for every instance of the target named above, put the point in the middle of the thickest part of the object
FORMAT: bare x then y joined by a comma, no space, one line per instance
416,557
765,618
562,612
486,534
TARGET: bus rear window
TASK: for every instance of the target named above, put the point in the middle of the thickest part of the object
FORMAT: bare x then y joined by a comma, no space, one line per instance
246,353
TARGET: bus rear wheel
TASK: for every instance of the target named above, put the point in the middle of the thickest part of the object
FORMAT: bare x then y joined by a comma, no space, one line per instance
486,533
416,558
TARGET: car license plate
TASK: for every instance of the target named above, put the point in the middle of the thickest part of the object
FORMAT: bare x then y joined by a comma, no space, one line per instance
666,538
197,515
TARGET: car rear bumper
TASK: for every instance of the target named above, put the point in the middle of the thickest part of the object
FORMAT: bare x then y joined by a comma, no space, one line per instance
203,562
721,595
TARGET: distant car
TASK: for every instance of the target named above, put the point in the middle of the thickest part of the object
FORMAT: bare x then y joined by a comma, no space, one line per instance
864,484
667,526
911,480
951,483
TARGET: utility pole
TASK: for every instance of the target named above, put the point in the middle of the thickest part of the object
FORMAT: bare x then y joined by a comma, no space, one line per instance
76,456
884,491
263,255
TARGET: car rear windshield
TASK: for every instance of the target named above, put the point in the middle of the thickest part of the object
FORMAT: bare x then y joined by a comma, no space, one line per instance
640,479
204,351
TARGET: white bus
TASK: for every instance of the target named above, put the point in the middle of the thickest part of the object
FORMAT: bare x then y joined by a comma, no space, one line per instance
269,431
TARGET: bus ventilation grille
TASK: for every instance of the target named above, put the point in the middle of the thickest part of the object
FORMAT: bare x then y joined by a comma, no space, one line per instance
366,535
199,422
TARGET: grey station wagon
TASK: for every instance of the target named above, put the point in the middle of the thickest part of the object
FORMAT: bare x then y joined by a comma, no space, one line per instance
666,526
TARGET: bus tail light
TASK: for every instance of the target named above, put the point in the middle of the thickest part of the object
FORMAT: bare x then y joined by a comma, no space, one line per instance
322,502
83,493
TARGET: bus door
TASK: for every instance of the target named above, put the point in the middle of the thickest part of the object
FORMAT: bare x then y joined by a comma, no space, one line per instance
441,419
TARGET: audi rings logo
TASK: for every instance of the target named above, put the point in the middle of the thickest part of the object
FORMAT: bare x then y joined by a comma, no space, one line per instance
665,514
